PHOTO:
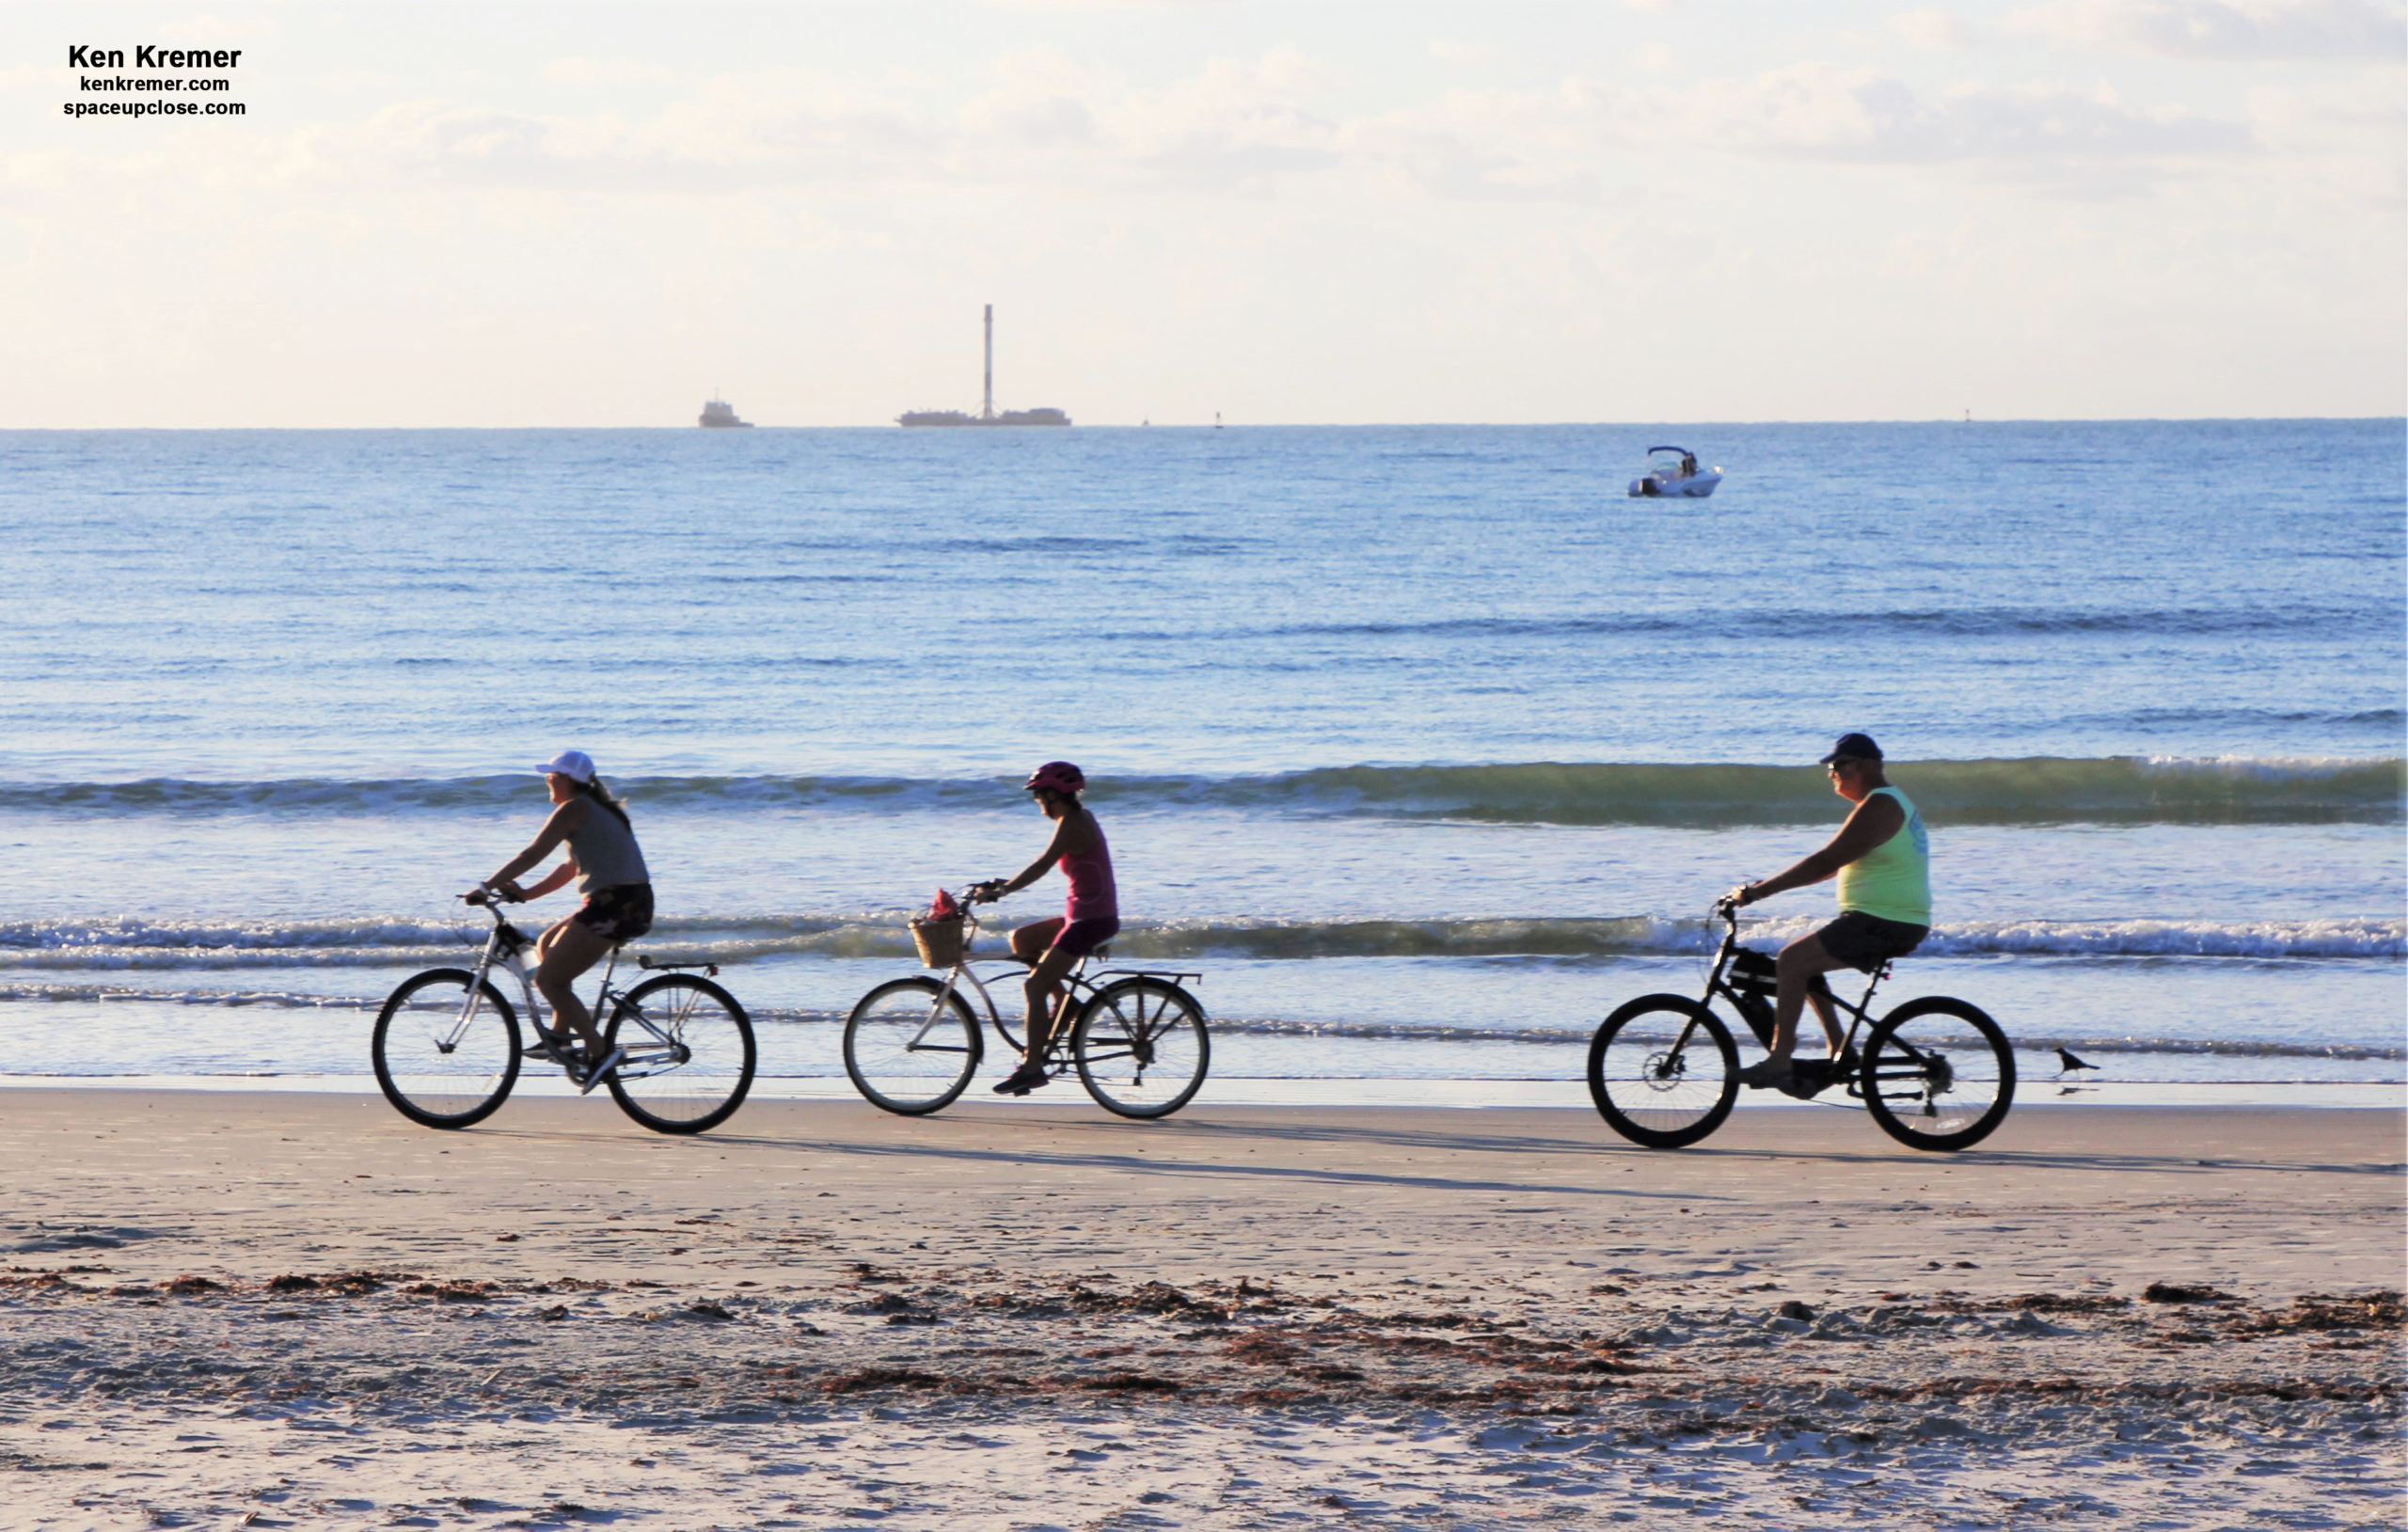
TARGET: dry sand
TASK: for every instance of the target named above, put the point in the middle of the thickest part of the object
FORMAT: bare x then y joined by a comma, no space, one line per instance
292,1310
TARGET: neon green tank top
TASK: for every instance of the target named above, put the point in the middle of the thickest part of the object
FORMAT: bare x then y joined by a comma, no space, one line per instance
1892,881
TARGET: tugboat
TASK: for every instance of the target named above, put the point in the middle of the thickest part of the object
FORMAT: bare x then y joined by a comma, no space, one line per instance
718,412
1672,473
988,415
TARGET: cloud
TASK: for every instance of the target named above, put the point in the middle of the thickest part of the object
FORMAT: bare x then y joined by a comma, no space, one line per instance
1486,144
581,70
1038,102
1935,30
2033,133
1457,50
1081,8
1813,111
2243,30
1045,124
1230,128
2344,135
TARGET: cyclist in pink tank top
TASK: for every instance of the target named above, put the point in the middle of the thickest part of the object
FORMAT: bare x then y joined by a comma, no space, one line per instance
1053,947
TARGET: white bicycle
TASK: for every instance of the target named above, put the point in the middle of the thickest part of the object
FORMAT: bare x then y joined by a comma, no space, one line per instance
447,1047
1136,1038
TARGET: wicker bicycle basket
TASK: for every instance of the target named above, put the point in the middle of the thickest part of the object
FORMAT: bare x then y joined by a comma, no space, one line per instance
940,941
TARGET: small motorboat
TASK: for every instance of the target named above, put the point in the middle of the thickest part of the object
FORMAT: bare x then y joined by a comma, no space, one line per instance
1672,473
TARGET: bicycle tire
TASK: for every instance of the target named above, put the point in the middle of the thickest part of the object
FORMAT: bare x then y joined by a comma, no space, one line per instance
1140,1027
1938,1074
903,1054
691,1055
1641,1075
436,1079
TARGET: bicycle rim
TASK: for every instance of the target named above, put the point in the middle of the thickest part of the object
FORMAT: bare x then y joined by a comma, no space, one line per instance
445,1049
1141,1048
1938,1074
910,1048
1662,1071
690,1055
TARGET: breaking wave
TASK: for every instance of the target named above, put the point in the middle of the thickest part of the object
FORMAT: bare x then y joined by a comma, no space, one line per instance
135,944
2040,790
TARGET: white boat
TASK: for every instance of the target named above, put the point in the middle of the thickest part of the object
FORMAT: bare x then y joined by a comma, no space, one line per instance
1672,473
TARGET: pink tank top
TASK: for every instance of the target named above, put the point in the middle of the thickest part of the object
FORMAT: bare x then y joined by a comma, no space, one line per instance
1093,897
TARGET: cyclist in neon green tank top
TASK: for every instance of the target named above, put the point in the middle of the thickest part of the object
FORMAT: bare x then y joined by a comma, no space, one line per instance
1882,856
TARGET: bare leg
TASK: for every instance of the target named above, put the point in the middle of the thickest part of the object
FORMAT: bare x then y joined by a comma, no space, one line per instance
1030,941
1044,989
566,951
1801,962
1033,945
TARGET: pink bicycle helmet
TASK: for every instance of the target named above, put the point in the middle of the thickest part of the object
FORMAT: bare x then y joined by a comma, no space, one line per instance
1056,777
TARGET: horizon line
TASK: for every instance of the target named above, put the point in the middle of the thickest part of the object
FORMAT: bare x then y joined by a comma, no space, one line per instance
1302,425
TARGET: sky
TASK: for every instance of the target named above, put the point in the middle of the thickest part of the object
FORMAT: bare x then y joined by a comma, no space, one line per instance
1315,212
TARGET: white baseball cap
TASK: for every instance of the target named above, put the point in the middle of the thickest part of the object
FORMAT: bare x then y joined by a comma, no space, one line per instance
575,765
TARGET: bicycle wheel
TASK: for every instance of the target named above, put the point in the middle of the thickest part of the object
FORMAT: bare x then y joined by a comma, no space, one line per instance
689,1053
1663,1072
1141,1048
445,1049
1938,1074
910,1048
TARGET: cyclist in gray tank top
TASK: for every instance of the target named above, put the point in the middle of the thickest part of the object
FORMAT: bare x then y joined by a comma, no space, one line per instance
608,867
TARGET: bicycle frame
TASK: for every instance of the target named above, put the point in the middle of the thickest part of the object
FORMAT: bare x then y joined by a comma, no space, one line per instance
1078,987
506,948
1757,1009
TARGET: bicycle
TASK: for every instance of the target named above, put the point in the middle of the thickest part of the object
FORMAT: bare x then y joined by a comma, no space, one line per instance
1136,1038
1937,1073
447,1051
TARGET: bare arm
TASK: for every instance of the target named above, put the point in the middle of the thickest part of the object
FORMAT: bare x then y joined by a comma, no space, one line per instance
1870,826
567,819
1072,834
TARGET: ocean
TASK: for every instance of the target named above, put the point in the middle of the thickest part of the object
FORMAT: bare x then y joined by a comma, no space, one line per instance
1425,746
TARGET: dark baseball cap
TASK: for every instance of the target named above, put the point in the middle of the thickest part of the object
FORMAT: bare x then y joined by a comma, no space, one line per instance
1854,747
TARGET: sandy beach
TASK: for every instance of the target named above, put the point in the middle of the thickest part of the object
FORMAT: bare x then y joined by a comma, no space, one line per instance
279,1309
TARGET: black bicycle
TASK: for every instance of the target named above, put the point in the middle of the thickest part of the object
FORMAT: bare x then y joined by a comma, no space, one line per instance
1936,1073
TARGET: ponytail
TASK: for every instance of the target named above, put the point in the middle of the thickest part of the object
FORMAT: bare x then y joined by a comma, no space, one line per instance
591,788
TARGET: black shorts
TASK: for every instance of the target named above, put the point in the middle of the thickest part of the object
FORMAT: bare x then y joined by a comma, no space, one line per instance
620,913
1865,942
1080,939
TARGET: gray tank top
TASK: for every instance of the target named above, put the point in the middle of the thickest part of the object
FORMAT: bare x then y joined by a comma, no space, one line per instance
605,851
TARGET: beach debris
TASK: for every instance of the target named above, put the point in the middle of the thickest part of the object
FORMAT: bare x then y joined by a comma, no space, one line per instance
885,1303
1263,1351
2170,1292
861,1379
2379,1309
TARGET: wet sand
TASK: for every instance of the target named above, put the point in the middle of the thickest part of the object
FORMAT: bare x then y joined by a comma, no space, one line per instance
304,1310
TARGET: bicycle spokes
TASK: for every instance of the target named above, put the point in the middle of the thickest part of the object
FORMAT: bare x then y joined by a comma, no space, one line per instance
1141,1048
468,1019
662,1045
1938,1074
